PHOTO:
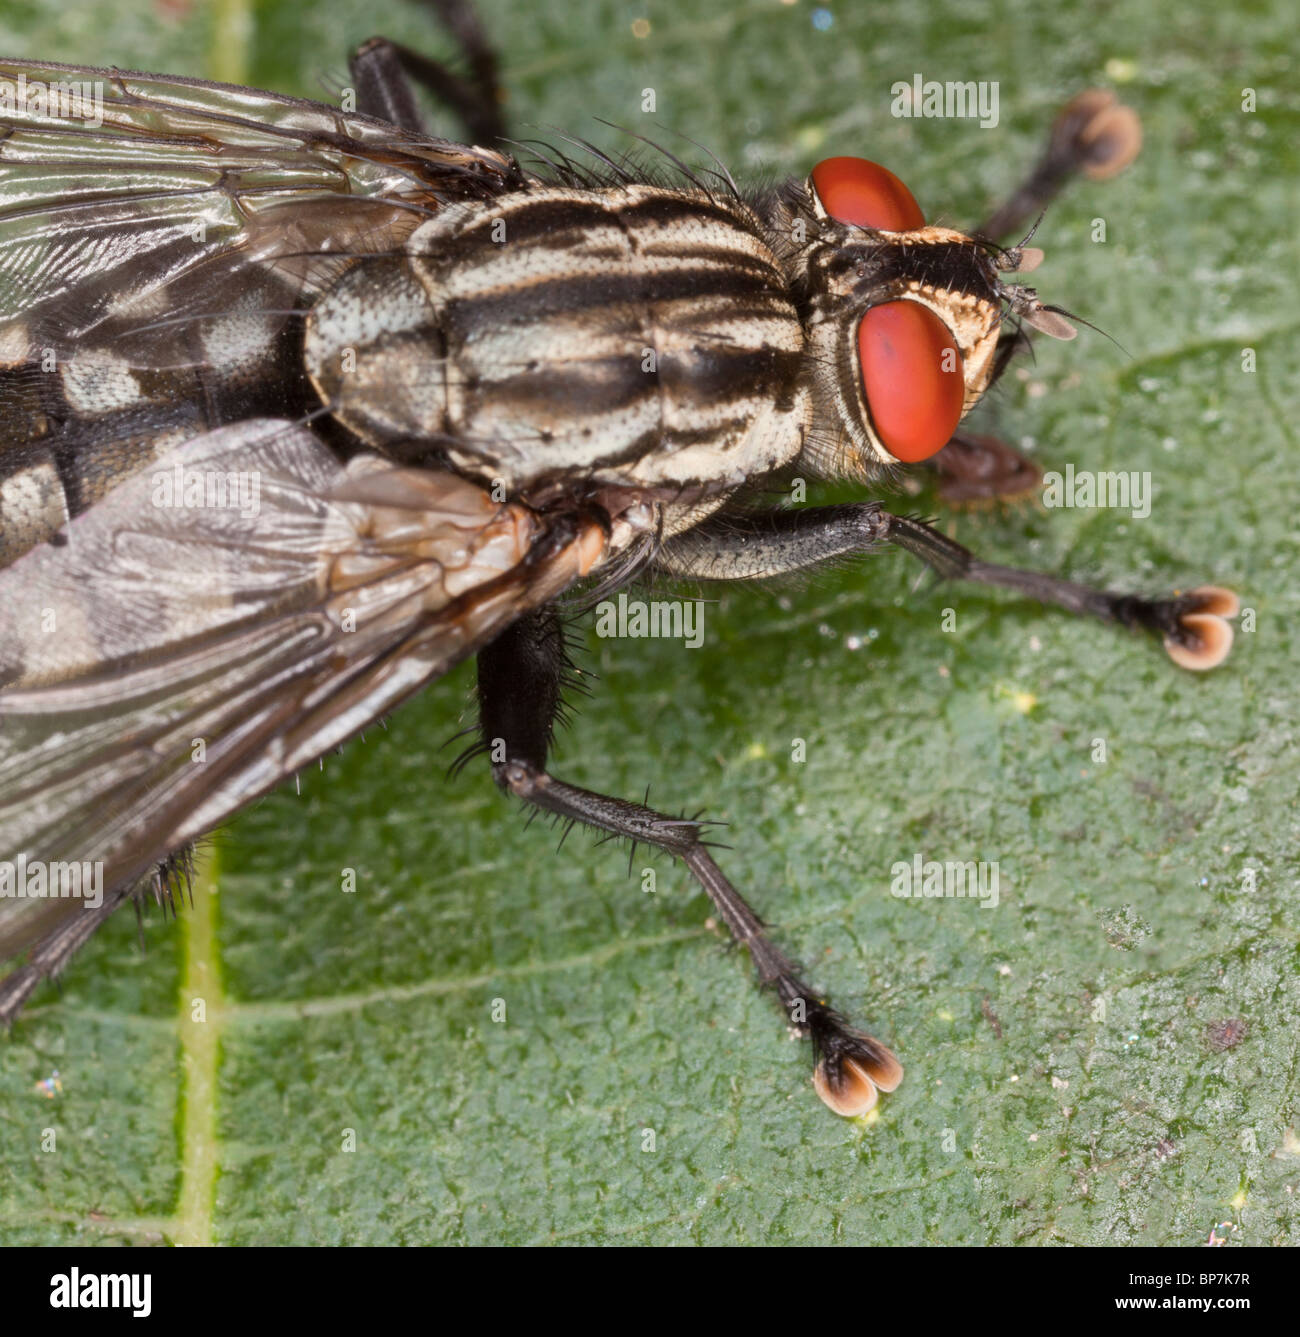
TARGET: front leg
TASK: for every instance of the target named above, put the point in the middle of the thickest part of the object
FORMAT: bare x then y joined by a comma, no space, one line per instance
1095,136
521,677
752,546
975,469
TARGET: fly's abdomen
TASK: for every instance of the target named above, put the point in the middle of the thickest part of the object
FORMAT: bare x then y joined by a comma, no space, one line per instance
637,336
83,412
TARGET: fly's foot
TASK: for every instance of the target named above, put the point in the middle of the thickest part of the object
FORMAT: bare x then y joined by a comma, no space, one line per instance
1194,626
852,1067
1096,134
1201,635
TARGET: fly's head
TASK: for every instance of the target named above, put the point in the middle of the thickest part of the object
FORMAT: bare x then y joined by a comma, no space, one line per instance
903,320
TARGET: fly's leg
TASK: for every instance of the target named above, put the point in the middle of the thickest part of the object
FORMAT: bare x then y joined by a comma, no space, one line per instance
521,677
382,86
382,72
1094,135
1193,626
974,468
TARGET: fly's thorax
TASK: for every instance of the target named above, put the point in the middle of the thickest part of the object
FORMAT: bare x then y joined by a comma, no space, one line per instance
635,336
852,271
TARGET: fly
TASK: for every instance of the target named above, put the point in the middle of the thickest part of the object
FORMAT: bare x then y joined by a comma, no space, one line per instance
304,406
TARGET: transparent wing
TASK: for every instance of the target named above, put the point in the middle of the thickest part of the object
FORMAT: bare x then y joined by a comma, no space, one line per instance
173,660
129,201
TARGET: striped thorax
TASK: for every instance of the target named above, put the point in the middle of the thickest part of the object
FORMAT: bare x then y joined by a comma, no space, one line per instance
636,336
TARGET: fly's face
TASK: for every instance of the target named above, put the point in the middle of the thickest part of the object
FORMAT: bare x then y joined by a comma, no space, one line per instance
904,319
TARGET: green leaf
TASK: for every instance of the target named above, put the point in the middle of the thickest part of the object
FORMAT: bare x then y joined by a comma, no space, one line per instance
1070,1078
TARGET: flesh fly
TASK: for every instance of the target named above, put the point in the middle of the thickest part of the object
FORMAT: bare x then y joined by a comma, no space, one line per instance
303,406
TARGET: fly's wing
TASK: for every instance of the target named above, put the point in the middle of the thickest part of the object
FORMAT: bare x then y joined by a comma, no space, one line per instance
133,207
169,663
160,240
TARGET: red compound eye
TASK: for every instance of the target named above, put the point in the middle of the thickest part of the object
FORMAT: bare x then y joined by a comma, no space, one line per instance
853,190
912,375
